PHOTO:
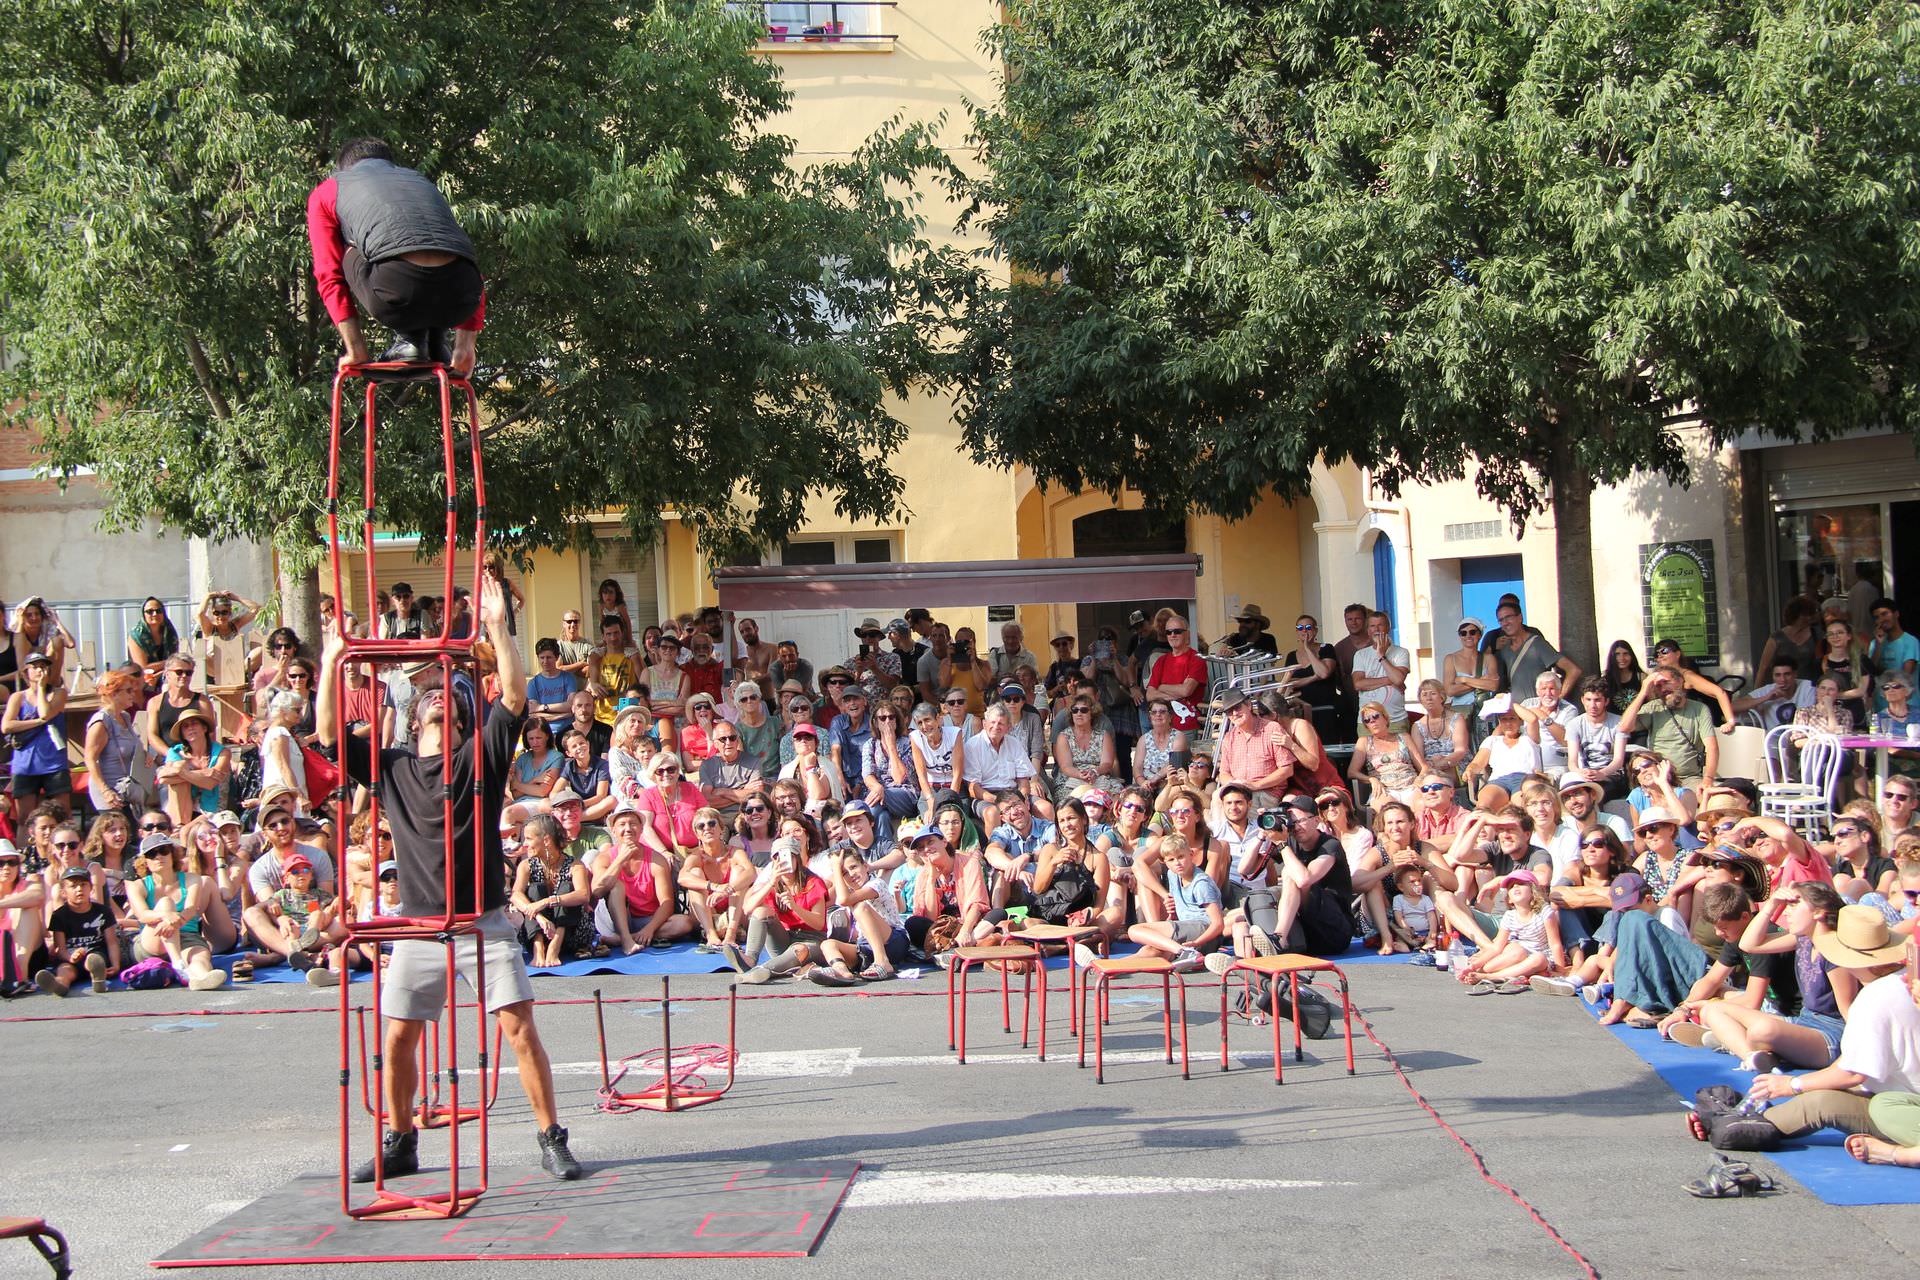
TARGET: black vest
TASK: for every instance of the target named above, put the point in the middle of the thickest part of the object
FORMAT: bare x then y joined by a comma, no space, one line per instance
386,211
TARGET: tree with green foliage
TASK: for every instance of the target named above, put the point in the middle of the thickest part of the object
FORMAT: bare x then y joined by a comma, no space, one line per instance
678,317
1525,241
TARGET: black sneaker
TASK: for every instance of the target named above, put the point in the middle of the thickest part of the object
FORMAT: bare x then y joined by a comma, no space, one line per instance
439,349
399,1156
409,348
554,1156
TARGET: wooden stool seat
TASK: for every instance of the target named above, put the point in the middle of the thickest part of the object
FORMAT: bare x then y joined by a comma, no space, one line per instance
979,955
1115,966
1101,974
1290,967
1041,931
47,1242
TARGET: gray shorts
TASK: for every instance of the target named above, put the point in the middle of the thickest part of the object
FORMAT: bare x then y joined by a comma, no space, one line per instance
189,942
1187,932
414,984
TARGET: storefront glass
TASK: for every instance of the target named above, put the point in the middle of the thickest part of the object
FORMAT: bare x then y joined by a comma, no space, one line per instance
1826,551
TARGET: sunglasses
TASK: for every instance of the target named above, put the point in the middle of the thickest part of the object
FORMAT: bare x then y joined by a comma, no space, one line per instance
1469,631
1181,813
836,681
956,702
1176,631
1303,626
152,612
755,810
274,824
156,826
1083,711
1133,806
728,738
748,697
1837,832
285,648
74,844
1332,804
666,770
1373,719
1593,844
705,824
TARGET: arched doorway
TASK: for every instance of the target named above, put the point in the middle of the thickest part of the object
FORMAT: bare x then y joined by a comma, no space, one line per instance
1113,532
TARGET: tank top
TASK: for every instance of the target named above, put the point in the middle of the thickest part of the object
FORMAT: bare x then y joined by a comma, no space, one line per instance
165,714
1435,745
188,928
116,759
1392,768
42,750
939,757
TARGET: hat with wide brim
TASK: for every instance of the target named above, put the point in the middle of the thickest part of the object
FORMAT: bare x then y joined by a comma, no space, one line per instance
1861,939
1574,780
191,713
1251,613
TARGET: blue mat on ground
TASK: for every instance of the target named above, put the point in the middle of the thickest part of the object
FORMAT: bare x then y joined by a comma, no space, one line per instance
1818,1162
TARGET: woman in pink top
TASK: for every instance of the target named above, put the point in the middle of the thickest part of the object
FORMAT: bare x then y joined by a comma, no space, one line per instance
1789,859
671,801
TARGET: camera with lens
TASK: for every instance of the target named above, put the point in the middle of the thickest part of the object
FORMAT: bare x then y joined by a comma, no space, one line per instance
1272,820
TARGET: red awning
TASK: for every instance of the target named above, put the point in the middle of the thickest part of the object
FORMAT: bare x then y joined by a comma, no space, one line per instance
957,584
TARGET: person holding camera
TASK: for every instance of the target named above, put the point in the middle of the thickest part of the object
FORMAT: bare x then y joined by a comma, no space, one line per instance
1316,886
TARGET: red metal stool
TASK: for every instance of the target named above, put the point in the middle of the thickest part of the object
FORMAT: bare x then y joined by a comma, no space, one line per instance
1041,935
1104,971
1290,967
453,927
50,1244
965,961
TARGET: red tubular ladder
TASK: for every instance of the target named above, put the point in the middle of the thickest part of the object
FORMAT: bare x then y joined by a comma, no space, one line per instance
453,924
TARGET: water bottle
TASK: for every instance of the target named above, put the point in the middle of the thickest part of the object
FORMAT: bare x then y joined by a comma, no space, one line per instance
1752,1106
1456,953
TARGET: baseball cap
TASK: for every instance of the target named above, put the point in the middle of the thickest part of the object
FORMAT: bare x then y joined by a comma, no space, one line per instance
856,809
42,659
1241,787
1012,689
806,729
898,624
1626,890
1471,621
1519,876
923,835
298,862
76,873
387,868
1301,803
158,841
226,818
1135,618
786,845
854,689
1094,795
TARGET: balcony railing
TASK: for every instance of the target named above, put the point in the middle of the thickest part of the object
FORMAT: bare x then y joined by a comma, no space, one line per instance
830,22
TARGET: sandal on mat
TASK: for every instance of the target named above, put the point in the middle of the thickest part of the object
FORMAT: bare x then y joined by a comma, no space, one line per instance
1727,1180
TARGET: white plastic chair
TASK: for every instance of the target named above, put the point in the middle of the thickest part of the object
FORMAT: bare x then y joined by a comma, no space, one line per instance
1803,767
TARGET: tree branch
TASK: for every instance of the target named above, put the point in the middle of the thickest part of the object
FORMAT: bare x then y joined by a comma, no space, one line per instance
203,373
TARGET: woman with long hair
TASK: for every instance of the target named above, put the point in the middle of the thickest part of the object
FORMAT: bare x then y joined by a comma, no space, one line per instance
1794,642
152,640
754,829
553,894
171,906
1844,659
1623,676
109,839
1072,877
1186,816
202,850
1580,890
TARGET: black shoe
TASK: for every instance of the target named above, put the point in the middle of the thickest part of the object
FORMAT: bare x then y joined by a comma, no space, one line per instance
554,1156
14,990
409,348
399,1156
439,348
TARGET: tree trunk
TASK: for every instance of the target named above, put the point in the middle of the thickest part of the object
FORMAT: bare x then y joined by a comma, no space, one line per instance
299,592
1572,498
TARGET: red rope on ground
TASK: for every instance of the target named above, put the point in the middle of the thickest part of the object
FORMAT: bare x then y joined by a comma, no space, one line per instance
1479,1164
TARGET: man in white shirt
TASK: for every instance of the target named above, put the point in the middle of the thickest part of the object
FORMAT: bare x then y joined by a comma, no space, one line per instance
994,760
1778,701
1580,800
1380,670
1548,719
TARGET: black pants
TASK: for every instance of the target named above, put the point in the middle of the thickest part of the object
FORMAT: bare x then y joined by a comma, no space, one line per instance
407,297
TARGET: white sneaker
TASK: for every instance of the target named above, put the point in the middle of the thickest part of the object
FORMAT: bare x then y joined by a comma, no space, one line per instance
1554,986
1263,943
322,978
1221,963
1708,1040
1188,961
1084,955
1591,993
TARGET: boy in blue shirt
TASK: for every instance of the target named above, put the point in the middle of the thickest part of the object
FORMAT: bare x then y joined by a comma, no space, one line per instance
1195,922
551,690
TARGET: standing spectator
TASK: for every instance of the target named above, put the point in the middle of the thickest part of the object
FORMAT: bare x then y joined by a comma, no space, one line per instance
704,673
405,620
35,716
788,665
1794,641
1524,652
1012,653
550,691
756,656
38,629
1845,659
1380,670
1895,651
1318,682
1677,728
610,671
153,639
905,651
667,689
1251,634
759,732
1470,675
1064,664
1623,676
1179,677
112,747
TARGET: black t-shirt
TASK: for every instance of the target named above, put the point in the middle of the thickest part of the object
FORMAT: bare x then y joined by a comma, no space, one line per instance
411,797
1876,869
1777,969
1317,693
86,928
1261,643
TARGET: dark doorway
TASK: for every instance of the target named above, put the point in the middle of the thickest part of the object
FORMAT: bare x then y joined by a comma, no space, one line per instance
1904,527
1122,533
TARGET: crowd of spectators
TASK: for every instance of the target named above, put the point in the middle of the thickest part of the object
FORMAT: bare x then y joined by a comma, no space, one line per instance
1518,823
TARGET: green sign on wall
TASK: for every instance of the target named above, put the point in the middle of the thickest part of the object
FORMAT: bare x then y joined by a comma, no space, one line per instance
1679,597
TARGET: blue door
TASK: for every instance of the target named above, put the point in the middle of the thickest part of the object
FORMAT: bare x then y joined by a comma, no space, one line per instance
1383,587
1483,580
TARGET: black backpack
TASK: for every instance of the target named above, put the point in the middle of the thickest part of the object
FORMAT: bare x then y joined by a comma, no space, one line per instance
1315,1014
1071,889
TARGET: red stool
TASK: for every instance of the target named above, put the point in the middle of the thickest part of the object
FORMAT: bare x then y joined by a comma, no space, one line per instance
1104,971
1290,967
49,1243
1041,935
965,961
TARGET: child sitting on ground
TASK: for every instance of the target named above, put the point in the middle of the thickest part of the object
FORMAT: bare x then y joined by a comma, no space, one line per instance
1527,942
80,936
1195,921
303,919
1413,915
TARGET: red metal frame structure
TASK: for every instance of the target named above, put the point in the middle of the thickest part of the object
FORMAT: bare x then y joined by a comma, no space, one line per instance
1289,967
453,924
429,1111
1100,984
680,1087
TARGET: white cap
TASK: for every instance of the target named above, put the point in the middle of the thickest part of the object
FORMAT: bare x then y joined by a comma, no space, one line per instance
1498,705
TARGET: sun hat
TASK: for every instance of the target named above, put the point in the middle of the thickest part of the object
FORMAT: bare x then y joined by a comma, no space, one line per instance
1655,817
1499,705
1573,780
1861,939
1250,613
626,806
563,793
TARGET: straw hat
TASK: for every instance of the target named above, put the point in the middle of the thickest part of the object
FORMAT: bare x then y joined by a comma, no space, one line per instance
1861,940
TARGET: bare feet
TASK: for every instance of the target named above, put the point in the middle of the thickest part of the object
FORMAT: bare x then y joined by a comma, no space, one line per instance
1389,949
1871,1150
628,947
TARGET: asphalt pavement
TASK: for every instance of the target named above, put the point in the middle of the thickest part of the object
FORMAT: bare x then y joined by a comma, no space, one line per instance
133,1133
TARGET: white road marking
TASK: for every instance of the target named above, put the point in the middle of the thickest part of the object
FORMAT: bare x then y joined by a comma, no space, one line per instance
843,1062
889,1189
179,1146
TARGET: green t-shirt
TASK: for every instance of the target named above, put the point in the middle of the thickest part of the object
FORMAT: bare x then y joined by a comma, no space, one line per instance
1680,736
